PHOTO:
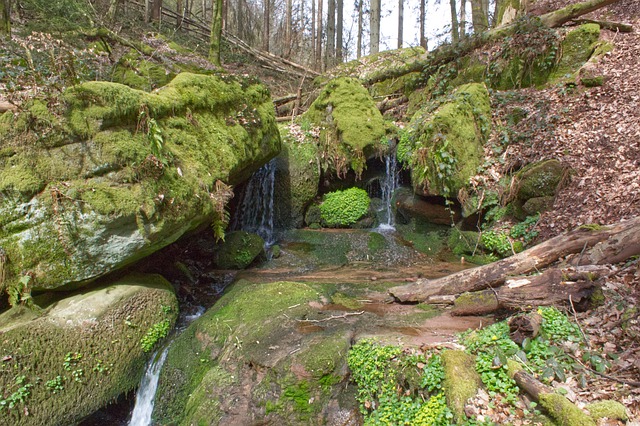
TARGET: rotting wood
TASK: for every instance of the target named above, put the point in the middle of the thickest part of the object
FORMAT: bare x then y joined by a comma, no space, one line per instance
7,106
607,25
333,317
524,327
619,240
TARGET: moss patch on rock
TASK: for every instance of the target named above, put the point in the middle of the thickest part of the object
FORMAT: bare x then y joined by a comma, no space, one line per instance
444,148
126,173
83,351
607,410
461,381
351,125
577,48
239,250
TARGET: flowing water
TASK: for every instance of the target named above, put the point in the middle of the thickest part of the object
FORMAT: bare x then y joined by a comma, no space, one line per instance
145,396
388,185
255,210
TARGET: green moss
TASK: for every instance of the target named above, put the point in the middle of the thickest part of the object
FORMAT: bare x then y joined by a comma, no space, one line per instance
351,124
343,208
463,242
539,179
425,237
346,301
108,199
577,48
376,243
202,407
139,73
20,178
239,249
595,81
607,409
563,411
445,148
461,381
478,301
90,339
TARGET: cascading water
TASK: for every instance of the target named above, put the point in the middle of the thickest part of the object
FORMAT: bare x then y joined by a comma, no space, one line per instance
255,210
388,185
145,396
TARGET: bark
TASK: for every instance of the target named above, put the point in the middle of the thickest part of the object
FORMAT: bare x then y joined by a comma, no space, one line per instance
463,19
478,17
313,33
566,14
423,15
554,287
374,27
330,50
147,8
288,29
624,241
216,32
180,10
155,10
112,13
531,385
319,38
455,37
400,23
5,18
524,327
266,29
339,31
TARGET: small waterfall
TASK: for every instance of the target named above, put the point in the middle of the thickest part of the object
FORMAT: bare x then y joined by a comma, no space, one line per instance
145,396
388,185
255,209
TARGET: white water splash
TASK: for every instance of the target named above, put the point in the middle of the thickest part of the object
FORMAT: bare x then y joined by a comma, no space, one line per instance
388,186
145,397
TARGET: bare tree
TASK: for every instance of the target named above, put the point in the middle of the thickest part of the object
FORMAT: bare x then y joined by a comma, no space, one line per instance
156,10
266,28
400,22
423,16
455,37
479,17
374,26
359,48
319,37
330,50
463,19
288,29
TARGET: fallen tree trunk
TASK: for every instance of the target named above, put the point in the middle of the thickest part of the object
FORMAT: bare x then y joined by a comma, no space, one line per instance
607,25
623,240
566,14
554,287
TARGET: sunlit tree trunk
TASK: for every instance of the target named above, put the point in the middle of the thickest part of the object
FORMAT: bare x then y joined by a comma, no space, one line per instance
339,30
216,32
463,19
455,37
478,17
374,27
330,50
5,18
266,22
400,22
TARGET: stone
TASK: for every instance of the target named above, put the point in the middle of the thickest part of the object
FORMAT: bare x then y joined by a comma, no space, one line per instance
239,250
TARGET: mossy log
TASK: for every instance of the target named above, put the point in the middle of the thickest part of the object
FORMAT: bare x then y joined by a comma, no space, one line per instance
561,16
461,381
597,245
607,25
553,287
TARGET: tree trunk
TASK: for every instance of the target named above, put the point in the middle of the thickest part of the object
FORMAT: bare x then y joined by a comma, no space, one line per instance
339,31
216,32
454,22
423,17
330,50
155,10
313,34
266,22
180,10
319,38
561,16
623,240
359,48
374,27
400,22
463,19
478,17
147,9
288,29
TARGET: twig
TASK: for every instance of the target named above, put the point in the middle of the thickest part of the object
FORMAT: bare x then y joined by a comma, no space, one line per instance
606,376
332,317
575,317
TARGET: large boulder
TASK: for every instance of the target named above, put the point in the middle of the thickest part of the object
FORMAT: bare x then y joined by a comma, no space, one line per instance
351,126
444,148
239,250
82,351
123,173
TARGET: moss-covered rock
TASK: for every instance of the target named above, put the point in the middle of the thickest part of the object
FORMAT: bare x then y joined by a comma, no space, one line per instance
138,73
537,182
83,350
344,208
444,148
297,181
607,410
461,381
351,125
239,250
235,364
125,173
577,48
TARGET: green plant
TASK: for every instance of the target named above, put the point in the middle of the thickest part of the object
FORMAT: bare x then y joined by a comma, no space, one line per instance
557,327
156,332
71,359
525,230
55,385
497,242
433,374
19,396
343,208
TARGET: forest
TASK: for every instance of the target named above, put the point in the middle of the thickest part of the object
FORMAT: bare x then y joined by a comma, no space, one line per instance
306,212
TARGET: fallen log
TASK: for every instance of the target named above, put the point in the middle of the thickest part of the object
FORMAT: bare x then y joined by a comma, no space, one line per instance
607,25
623,240
554,287
561,16
7,106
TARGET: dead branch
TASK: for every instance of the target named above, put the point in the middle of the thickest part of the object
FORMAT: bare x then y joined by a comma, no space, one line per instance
607,25
332,317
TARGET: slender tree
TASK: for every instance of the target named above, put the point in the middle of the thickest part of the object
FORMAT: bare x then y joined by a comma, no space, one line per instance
339,30
359,48
180,10
455,37
478,17
330,50
266,22
400,22
319,37
156,10
5,18
313,33
463,19
423,16
288,29
216,32
374,26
